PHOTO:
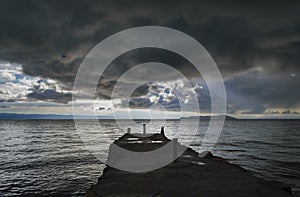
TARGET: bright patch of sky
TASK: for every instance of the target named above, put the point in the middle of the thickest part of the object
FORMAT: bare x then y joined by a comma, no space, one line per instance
17,90
21,93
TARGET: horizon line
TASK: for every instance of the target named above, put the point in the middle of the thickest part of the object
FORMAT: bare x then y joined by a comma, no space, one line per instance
18,116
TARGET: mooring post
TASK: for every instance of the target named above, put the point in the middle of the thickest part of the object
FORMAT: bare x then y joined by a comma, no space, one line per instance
174,148
162,131
144,128
128,130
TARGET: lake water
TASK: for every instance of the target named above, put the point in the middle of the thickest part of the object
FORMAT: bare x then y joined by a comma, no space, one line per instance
47,157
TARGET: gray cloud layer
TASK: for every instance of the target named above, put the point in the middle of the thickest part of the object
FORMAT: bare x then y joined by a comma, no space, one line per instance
50,39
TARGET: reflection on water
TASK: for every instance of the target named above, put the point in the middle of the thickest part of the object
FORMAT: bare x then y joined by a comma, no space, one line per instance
44,157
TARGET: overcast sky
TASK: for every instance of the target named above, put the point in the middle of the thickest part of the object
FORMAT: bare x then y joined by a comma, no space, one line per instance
255,44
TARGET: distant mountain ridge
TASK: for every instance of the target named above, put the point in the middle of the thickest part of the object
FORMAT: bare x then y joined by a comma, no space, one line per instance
45,116
208,117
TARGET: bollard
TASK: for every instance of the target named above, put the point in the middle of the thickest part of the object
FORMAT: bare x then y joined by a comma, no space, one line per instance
144,128
162,131
128,130
174,148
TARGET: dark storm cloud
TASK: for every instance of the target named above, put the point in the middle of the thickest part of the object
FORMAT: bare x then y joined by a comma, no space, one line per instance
254,92
6,100
289,112
50,39
45,91
51,95
135,57
172,105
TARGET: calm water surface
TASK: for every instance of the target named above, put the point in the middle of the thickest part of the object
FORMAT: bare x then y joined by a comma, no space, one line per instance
47,157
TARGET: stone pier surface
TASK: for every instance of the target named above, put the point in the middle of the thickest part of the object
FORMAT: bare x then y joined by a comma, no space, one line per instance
189,175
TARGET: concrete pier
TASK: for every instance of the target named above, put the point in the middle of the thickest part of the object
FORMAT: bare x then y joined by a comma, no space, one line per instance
190,175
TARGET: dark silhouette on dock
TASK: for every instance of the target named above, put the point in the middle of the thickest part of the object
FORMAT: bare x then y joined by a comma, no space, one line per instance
188,175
